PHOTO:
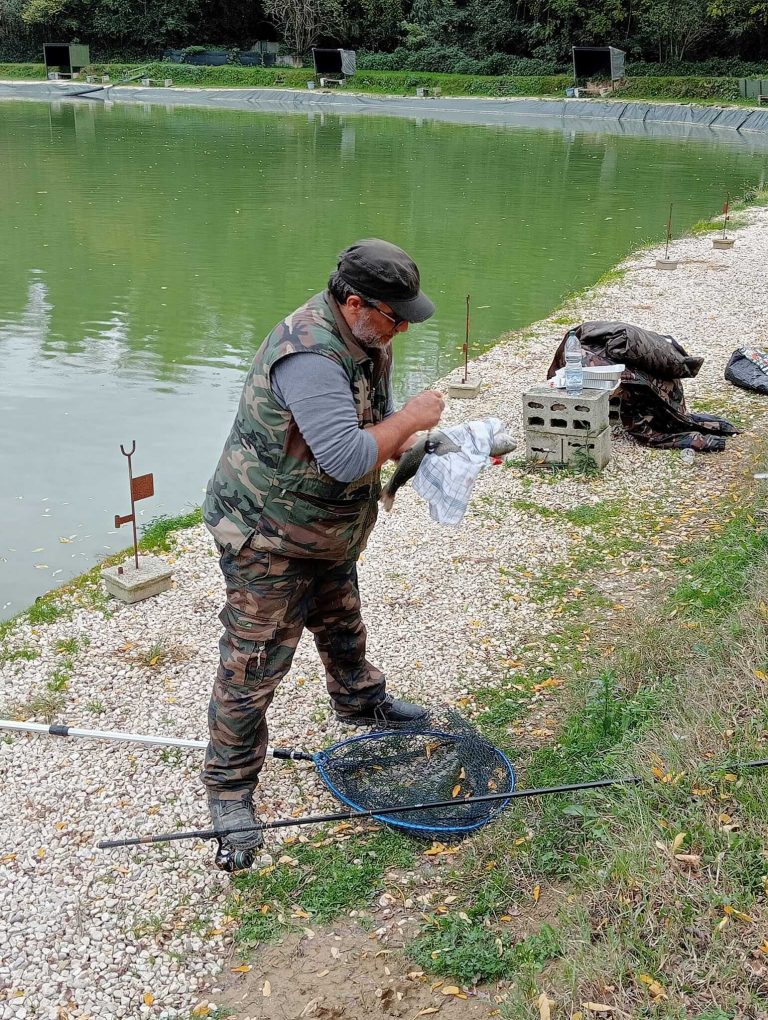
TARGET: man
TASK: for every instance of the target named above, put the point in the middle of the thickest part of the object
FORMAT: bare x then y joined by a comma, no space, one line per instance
291,505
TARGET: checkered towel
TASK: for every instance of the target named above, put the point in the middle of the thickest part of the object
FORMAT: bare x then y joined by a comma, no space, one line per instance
446,480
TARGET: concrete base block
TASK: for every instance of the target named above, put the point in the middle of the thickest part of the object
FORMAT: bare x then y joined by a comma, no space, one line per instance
724,243
565,448
666,263
464,391
597,447
132,585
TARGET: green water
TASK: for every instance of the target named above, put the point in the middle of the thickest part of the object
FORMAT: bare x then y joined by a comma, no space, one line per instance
147,250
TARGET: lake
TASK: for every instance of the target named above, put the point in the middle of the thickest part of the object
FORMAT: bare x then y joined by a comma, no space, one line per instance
147,250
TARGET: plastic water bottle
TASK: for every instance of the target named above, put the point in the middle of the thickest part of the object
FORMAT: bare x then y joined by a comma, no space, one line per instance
574,369
687,456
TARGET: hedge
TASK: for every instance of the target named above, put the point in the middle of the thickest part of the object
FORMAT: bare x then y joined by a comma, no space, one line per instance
401,82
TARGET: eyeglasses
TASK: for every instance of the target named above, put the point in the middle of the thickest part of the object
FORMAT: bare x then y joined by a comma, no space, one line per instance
396,323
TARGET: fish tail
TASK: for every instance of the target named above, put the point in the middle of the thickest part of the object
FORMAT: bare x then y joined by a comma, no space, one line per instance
387,499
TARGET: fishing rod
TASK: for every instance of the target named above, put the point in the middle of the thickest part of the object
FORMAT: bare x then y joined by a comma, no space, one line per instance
345,816
669,232
466,346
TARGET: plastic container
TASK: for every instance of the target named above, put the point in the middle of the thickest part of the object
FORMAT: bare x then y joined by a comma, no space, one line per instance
574,368
688,456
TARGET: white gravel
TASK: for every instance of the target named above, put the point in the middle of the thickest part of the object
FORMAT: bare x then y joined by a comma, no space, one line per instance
133,933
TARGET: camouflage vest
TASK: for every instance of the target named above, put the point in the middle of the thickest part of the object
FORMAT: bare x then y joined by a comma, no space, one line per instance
267,489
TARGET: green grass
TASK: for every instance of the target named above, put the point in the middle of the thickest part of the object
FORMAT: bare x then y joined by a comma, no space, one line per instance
155,536
67,646
469,952
327,880
18,655
662,708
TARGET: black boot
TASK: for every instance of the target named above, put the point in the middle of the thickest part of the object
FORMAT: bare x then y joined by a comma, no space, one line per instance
389,712
239,850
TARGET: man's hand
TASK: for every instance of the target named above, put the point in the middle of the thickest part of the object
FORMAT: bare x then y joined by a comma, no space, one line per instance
425,408
422,412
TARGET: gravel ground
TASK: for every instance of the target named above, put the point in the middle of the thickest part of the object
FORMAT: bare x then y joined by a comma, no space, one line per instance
143,932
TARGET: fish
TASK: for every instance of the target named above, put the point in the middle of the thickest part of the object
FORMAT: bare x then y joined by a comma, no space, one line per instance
435,444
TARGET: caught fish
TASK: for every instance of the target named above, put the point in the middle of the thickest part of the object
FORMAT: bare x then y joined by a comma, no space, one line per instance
435,444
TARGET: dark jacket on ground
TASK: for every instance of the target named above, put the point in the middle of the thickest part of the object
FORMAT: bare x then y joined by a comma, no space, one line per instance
652,402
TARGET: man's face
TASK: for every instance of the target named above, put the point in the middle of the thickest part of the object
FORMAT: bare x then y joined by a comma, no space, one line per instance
372,326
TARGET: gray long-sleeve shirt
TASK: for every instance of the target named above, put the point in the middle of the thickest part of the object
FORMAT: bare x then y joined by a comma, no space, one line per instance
318,396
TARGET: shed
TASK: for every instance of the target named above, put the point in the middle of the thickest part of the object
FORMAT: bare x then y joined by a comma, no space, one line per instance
65,58
604,62
334,63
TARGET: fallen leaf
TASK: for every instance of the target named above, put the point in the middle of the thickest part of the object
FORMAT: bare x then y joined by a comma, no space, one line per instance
761,675
148,998
7,858
242,969
40,853
456,790
450,990
692,860
598,1007
738,913
536,893
678,841
545,1006
428,1011
322,973
266,990
201,1010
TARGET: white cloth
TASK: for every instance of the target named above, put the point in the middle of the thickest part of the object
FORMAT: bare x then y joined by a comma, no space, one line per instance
446,480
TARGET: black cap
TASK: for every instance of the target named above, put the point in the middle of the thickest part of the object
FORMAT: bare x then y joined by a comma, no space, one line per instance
381,271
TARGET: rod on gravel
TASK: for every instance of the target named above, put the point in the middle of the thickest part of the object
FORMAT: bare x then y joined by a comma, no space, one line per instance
134,738
346,816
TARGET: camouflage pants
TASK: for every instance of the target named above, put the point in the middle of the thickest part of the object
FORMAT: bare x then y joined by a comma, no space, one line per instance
270,600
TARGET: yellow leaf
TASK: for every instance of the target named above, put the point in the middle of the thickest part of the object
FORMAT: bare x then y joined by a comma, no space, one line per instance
678,841
242,969
427,1012
60,826
761,675
721,924
764,947
578,1015
536,893
266,991
148,998
657,990
40,853
738,913
154,660
645,978
692,860
201,1010
450,990
456,790
7,858
505,917
544,1003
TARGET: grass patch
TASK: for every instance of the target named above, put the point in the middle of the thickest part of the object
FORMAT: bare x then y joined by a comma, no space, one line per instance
18,655
155,536
327,879
663,882
470,952
45,704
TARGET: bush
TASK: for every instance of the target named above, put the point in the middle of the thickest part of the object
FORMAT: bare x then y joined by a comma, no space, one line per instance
453,60
681,88
719,67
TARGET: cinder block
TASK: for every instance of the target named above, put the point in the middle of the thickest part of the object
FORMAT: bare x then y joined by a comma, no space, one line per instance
597,446
550,410
543,447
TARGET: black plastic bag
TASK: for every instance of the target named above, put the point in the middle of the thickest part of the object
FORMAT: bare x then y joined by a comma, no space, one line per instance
743,372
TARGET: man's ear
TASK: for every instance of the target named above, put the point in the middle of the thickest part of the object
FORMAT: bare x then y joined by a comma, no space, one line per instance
354,302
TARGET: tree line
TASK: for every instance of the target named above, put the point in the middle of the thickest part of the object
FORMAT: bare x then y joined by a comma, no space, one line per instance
437,33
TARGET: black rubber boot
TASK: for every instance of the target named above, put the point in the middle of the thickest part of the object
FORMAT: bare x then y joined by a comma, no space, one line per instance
389,712
238,850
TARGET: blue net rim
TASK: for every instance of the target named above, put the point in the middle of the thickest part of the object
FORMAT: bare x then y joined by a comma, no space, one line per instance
322,756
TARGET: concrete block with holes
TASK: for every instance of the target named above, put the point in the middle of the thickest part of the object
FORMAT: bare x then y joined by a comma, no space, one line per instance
559,429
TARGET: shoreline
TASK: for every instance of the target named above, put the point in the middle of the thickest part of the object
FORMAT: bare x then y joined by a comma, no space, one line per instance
447,610
629,116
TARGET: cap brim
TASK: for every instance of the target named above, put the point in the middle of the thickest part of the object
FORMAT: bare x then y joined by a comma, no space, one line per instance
416,309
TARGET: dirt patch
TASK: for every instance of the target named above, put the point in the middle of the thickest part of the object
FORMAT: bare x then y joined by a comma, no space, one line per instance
343,974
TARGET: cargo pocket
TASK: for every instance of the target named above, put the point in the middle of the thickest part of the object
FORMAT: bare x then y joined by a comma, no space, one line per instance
247,647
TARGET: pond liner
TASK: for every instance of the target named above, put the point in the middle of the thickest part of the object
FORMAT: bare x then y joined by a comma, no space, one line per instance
669,119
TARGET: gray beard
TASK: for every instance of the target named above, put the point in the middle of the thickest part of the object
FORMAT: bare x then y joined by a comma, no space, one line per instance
365,333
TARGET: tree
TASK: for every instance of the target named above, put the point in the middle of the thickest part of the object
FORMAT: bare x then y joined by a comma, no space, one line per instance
676,26
302,22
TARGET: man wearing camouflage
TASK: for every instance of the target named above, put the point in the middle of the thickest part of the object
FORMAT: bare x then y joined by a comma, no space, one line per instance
291,505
